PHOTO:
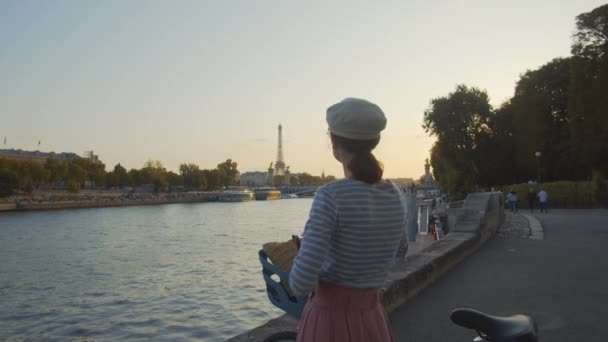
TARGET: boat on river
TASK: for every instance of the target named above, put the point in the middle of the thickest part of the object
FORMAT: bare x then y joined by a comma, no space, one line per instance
267,194
235,196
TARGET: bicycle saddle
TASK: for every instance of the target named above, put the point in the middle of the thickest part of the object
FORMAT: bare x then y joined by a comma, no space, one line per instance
518,328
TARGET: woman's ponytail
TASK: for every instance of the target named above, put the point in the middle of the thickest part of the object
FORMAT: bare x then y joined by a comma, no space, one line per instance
363,166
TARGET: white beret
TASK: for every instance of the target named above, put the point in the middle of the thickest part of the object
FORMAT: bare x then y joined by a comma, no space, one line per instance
356,119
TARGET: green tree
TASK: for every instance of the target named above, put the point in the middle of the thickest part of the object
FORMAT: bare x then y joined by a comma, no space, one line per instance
193,177
502,148
306,179
9,182
294,181
329,179
57,171
73,186
541,122
95,172
155,173
136,177
588,103
173,180
118,177
228,172
460,122
214,179
278,180
111,181
76,176
32,173
122,177
591,38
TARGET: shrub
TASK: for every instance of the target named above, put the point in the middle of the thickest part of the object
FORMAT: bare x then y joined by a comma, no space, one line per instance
600,189
73,186
563,194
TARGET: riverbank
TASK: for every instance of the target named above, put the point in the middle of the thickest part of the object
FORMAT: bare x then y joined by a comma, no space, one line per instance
98,199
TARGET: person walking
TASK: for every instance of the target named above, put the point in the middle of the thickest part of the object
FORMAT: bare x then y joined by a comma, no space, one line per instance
512,200
350,240
531,199
543,199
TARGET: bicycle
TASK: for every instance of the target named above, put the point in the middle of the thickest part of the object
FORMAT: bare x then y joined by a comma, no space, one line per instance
517,328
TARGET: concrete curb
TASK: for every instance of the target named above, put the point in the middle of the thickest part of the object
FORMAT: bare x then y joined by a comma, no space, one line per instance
536,229
420,270
474,225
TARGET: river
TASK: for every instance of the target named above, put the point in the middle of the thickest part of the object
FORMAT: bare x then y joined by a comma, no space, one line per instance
160,272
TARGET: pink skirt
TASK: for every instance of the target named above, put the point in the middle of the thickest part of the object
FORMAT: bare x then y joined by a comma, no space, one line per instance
342,314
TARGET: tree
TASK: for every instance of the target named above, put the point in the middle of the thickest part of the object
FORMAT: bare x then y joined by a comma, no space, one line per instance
136,177
173,179
305,179
118,177
541,124
192,176
329,179
76,176
122,177
95,171
213,178
591,38
73,186
32,173
588,103
278,180
460,121
294,181
228,171
154,173
9,181
57,171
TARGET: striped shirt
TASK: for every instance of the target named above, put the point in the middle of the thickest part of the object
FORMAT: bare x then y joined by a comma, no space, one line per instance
351,236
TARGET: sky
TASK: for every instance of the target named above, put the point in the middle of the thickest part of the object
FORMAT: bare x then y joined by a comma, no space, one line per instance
204,81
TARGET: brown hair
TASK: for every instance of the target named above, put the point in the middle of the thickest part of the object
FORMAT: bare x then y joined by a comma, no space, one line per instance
364,166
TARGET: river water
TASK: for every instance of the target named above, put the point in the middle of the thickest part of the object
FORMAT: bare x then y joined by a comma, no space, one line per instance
150,273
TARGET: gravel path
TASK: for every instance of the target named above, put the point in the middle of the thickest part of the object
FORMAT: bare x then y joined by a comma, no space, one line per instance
515,226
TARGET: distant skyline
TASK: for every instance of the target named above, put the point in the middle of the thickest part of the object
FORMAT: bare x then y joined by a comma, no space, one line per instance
204,81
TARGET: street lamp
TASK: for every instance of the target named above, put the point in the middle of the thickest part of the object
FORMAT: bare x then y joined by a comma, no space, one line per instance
538,154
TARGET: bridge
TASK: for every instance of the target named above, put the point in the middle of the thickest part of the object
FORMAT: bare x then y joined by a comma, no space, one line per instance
300,191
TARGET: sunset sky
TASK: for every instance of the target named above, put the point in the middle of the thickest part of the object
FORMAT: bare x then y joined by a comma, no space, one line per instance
203,81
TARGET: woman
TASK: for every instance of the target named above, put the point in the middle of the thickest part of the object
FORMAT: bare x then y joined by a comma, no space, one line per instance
351,237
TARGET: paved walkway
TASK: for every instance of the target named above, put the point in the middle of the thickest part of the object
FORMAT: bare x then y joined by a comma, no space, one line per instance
559,278
422,241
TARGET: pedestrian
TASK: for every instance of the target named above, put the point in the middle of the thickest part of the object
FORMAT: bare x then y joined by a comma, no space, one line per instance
349,243
543,199
512,200
531,199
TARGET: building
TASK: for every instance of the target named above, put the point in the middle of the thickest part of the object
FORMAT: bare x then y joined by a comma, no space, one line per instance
43,156
255,178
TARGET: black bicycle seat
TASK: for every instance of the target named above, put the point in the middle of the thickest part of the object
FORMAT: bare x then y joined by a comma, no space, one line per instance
518,328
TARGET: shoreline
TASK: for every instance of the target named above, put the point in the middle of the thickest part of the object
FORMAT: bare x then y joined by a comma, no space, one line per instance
22,206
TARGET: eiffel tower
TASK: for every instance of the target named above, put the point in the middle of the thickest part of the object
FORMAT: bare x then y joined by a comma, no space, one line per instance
279,165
